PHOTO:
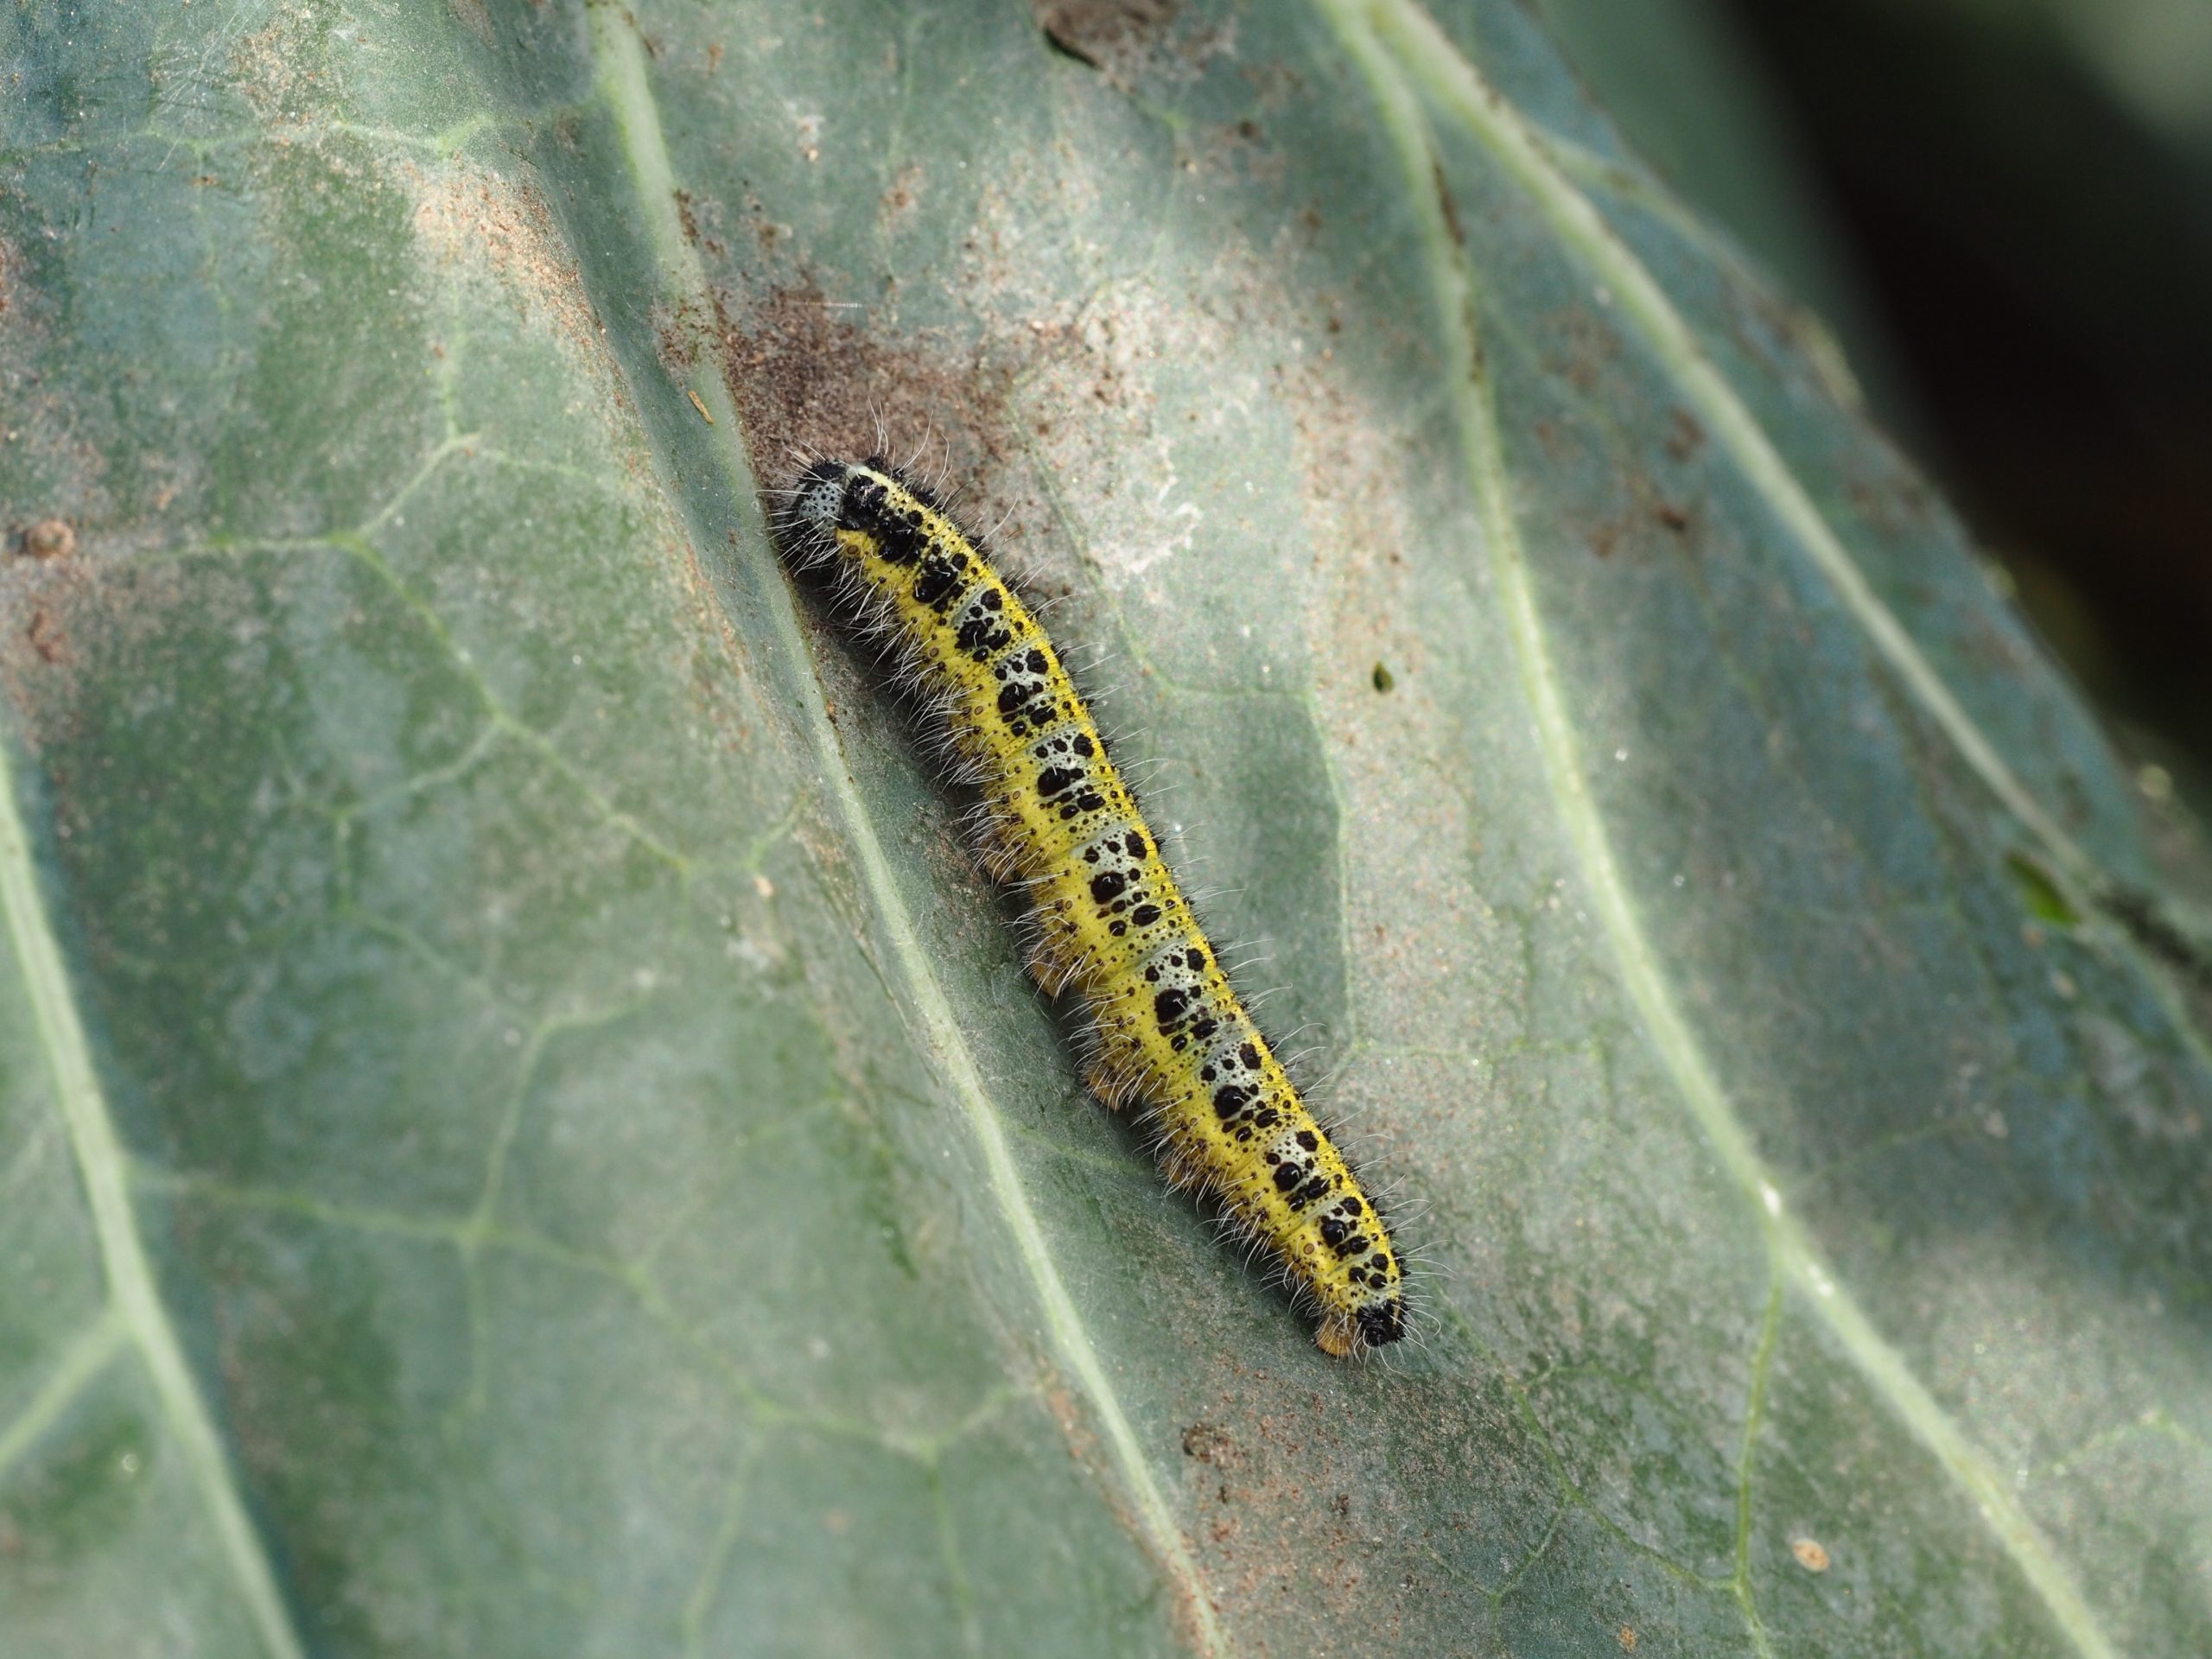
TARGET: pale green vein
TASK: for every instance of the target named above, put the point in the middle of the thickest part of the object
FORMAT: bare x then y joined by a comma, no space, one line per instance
470,1243
357,545
101,1167
1642,973
444,143
1598,172
955,1566
1747,1459
85,1359
483,1219
628,95
26,1164
458,443
360,547
307,1207
707,1588
2153,1424
1430,57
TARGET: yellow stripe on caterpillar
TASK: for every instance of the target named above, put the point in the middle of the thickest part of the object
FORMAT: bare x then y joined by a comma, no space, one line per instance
1110,924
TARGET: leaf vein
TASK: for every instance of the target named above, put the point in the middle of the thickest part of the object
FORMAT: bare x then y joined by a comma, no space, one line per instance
103,1166
1417,48
624,87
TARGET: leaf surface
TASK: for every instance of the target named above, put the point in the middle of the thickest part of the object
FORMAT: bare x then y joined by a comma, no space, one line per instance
521,1133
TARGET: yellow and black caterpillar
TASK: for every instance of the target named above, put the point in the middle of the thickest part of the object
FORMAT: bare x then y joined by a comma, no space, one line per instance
1058,822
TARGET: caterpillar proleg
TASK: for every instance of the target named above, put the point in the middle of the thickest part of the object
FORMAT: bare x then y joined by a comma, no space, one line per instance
1110,923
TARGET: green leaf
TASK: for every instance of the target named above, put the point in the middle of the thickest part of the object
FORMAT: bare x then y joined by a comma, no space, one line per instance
520,1131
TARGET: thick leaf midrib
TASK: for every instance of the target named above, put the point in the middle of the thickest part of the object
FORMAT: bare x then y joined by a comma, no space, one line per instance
624,85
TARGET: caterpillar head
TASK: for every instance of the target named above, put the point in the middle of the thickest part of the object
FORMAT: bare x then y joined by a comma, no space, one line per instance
819,495
1360,1329
814,508
837,508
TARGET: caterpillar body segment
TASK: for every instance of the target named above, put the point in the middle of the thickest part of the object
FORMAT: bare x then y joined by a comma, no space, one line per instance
1108,921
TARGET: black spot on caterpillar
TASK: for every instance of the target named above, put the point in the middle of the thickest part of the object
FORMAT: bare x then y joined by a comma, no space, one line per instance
1111,924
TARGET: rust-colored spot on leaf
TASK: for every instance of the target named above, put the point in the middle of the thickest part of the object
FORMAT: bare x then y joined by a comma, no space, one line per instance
1451,207
49,539
808,377
1810,1555
45,636
1207,1443
1104,34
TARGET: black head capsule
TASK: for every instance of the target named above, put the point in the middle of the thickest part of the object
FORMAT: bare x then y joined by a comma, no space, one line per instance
1382,1323
834,495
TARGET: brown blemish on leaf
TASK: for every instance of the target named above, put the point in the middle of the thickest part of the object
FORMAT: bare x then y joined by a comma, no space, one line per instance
1811,1554
807,379
1451,207
1282,1549
1888,493
49,539
681,332
900,198
1591,347
472,16
1126,39
1209,1443
280,67
40,429
1112,36
46,637
49,591
1083,1445
1628,528
69,617
464,214
1685,436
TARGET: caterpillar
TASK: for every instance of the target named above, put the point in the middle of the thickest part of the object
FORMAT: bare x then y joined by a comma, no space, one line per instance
1055,820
